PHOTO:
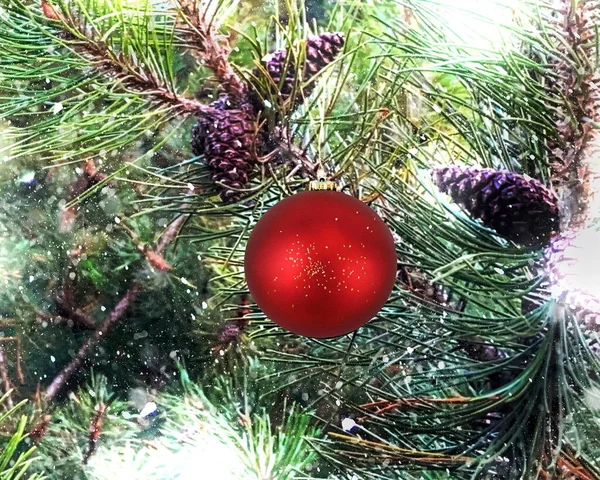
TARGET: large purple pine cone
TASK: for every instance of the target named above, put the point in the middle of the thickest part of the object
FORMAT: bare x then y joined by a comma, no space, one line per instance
518,208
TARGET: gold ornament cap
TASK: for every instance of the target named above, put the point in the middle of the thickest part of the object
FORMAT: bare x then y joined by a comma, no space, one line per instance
322,184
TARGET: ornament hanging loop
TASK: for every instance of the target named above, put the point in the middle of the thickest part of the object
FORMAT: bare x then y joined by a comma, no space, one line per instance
322,184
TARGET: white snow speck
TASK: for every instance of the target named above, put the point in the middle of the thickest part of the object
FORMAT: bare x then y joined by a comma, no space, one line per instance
117,220
348,424
28,177
57,107
31,278
204,305
52,358
149,408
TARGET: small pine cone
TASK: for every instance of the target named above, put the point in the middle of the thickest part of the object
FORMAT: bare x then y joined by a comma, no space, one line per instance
480,350
516,207
234,327
226,140
414,280
321,50
230,332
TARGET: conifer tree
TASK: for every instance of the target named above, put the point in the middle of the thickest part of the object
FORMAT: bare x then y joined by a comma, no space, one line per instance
142,141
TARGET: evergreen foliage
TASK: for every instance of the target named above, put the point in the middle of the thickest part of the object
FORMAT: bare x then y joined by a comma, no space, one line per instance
134,262
173,435
16,456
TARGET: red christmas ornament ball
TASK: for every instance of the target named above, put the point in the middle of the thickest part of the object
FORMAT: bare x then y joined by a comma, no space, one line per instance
320,263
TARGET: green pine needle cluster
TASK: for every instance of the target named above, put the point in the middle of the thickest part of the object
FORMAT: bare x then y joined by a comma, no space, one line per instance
187,433
16,456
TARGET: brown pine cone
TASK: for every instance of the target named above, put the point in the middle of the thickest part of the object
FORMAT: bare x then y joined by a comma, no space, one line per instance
226,139
518,208
321,50
417,282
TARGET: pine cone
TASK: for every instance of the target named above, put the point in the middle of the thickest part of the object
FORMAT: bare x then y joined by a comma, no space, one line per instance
226,141
571,268
516,207
416,281
321,50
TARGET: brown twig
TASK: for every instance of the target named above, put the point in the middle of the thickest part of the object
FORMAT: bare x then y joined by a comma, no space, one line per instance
284,150
116,313
384,406
20,375
6,387
570,468
17,341
403,454
213,51
155,256
95,431
77,317
113,317
7,322
171,232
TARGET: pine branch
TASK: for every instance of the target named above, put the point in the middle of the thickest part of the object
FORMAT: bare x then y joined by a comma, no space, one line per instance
111,77
113,317
202,37
116,65
111,320
577,87
574,156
